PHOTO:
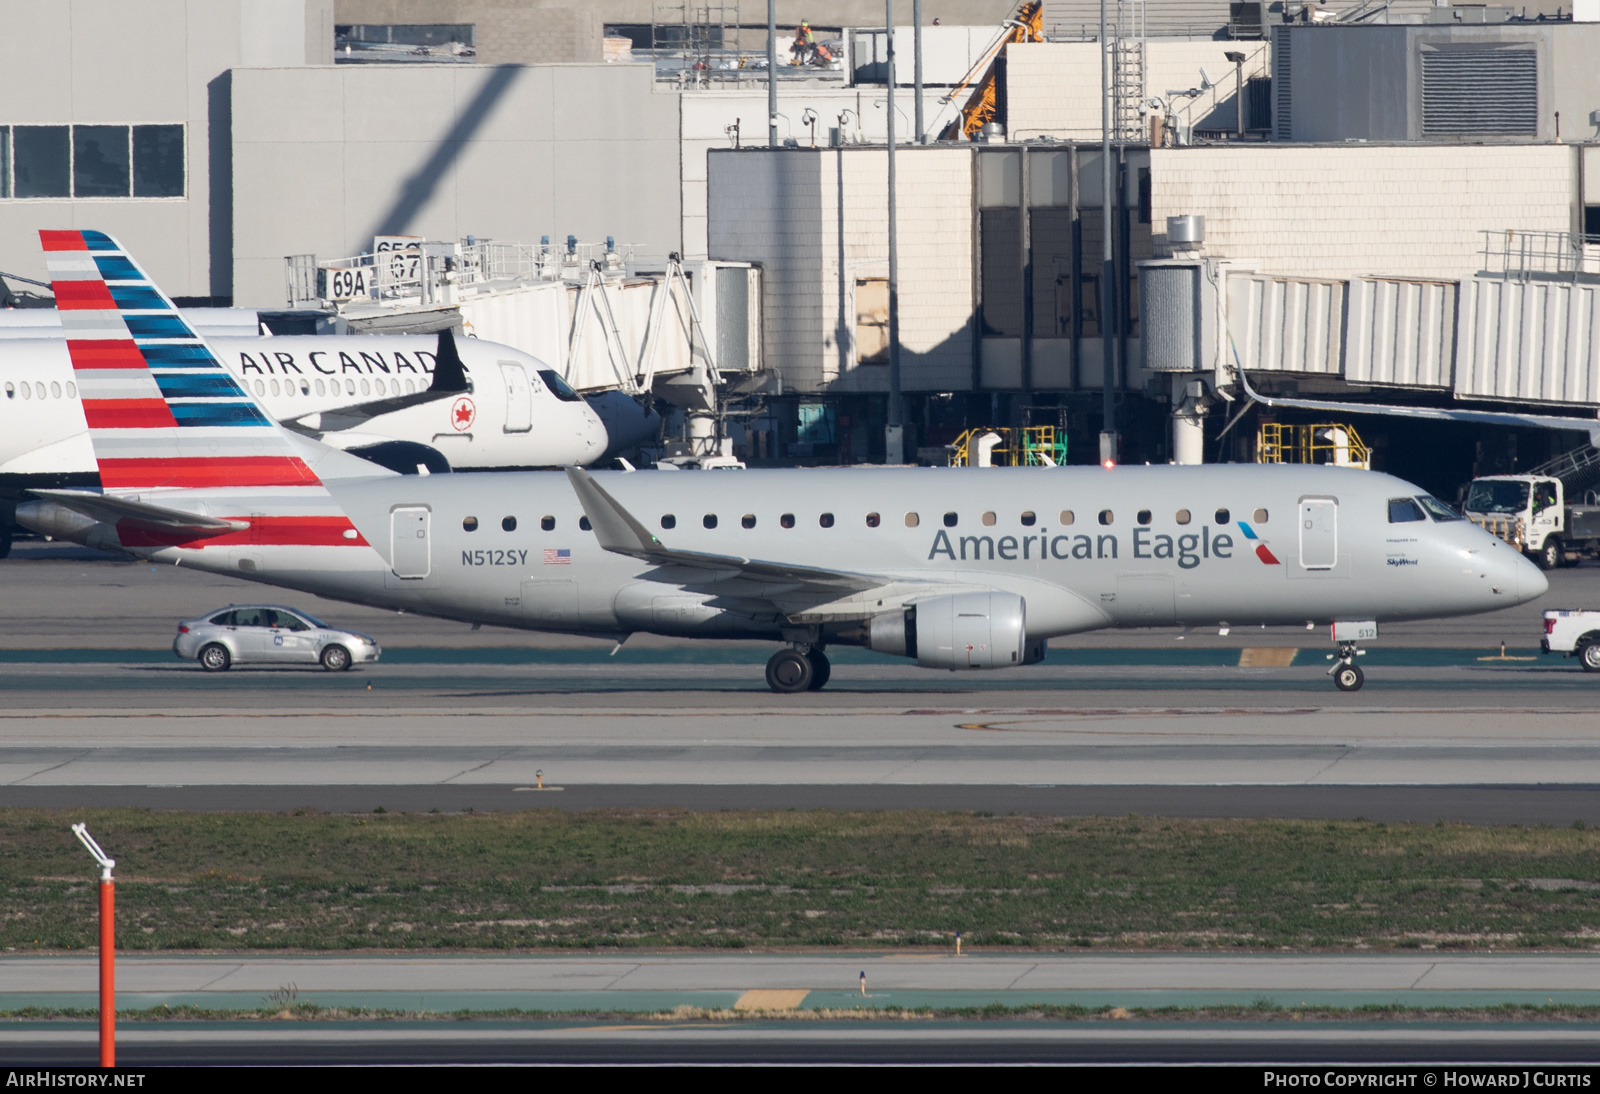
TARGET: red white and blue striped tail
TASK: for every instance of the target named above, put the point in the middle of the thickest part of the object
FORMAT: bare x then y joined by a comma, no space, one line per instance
173,432
162,411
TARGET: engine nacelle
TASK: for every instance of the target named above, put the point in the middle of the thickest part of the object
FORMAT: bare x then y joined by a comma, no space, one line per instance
58,522
960,631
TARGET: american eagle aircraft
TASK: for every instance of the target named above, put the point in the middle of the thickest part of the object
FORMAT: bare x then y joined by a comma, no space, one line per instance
955,568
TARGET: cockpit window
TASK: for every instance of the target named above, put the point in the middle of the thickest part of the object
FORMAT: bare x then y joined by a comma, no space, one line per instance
1497,496
1437,509
558,387
1404,510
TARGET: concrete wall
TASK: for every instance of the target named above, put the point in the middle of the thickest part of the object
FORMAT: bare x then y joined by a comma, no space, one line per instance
157,61
326,158
816,221
1053,88
1353,211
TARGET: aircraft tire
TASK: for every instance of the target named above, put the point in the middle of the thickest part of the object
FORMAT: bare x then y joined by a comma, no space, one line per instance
215,658
821,669
1348,678
335,659
789,672
1589,656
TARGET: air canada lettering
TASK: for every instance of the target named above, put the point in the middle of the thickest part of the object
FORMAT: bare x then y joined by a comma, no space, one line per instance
1189,550
282,363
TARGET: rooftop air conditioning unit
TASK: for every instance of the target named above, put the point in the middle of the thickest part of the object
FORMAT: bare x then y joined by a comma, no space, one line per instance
1247,19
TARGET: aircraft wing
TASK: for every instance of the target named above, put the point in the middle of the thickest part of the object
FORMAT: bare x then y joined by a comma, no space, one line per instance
449,378
114,510
621,533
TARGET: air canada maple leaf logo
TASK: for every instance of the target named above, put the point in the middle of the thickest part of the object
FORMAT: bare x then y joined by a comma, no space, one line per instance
463,414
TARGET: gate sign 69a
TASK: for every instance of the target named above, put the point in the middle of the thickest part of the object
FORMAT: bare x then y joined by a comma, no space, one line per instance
344,284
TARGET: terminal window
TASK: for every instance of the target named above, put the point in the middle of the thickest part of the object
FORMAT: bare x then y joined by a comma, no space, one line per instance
389,43
91,161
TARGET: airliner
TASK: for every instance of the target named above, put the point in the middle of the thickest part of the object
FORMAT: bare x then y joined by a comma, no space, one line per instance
510,410
953,568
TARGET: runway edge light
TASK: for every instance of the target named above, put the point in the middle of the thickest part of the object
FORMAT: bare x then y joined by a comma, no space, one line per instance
108,947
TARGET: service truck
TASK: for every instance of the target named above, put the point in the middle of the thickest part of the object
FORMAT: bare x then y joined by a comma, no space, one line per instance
1534,512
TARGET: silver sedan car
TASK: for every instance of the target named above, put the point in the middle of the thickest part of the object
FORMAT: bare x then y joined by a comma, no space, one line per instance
269,634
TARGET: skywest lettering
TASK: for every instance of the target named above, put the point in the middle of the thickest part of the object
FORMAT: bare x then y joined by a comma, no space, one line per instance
1189,549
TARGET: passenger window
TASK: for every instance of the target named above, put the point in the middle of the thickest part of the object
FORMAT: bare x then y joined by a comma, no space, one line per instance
292,622
510,524
1144,516
584,525
1028,518
247,617
11,391
786,521
469,524
1222,516
221,619
748,520
709,520
988,520
1106,516
873,520
55,389
72,390
1067,518
668,520
1261,516
27,390
826,520
1182,516
1404,511
912,520
950,520
321,388
547,523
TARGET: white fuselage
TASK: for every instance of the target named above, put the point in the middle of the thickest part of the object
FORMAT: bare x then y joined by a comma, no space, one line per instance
510,419
1084,547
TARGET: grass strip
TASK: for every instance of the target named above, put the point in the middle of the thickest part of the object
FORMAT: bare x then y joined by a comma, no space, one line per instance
546,880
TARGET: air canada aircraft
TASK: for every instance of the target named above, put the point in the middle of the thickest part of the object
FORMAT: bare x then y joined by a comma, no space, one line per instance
955,568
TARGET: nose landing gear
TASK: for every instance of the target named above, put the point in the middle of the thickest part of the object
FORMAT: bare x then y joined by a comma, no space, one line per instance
798,668
1346,673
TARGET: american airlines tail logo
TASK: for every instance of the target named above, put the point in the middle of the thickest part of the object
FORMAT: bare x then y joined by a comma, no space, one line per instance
1262,553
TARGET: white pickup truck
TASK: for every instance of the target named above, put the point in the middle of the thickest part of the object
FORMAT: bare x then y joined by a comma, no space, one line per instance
1575,634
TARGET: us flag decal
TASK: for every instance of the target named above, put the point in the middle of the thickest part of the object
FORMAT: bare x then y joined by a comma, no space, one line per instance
557,556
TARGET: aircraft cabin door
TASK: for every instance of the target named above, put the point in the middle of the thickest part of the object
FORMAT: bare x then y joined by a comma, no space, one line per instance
410,534
1319,533
519,398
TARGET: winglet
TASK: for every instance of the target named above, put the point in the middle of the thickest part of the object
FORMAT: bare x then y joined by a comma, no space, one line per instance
616,528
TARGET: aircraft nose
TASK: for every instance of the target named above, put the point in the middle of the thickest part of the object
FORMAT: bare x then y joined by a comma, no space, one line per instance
1524,581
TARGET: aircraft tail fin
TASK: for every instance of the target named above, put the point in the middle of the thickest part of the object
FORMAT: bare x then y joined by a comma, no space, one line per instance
162,411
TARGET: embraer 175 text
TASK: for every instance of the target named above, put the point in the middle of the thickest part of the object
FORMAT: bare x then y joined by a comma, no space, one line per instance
955,568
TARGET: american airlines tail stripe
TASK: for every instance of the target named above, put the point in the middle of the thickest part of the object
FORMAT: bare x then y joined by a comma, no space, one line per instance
126,413
217,414
296,531
104,353
180,385
83,296
193,473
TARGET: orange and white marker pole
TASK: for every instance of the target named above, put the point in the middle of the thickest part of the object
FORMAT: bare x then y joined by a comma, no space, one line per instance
108,947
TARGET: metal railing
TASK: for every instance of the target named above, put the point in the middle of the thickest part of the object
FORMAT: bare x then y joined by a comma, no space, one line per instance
420,274
1322,443
1503,526
1523,255
1031,446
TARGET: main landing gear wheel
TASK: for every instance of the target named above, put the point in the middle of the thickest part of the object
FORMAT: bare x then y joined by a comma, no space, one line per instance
821,669
790,671
1589,657
214,658
335,658
1348,678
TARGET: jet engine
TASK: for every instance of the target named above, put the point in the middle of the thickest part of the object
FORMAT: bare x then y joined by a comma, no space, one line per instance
959,631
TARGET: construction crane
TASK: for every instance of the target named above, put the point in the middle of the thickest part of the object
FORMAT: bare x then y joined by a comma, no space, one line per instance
982,81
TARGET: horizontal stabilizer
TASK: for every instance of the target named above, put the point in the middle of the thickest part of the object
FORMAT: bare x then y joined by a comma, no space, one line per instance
621,533
114,510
